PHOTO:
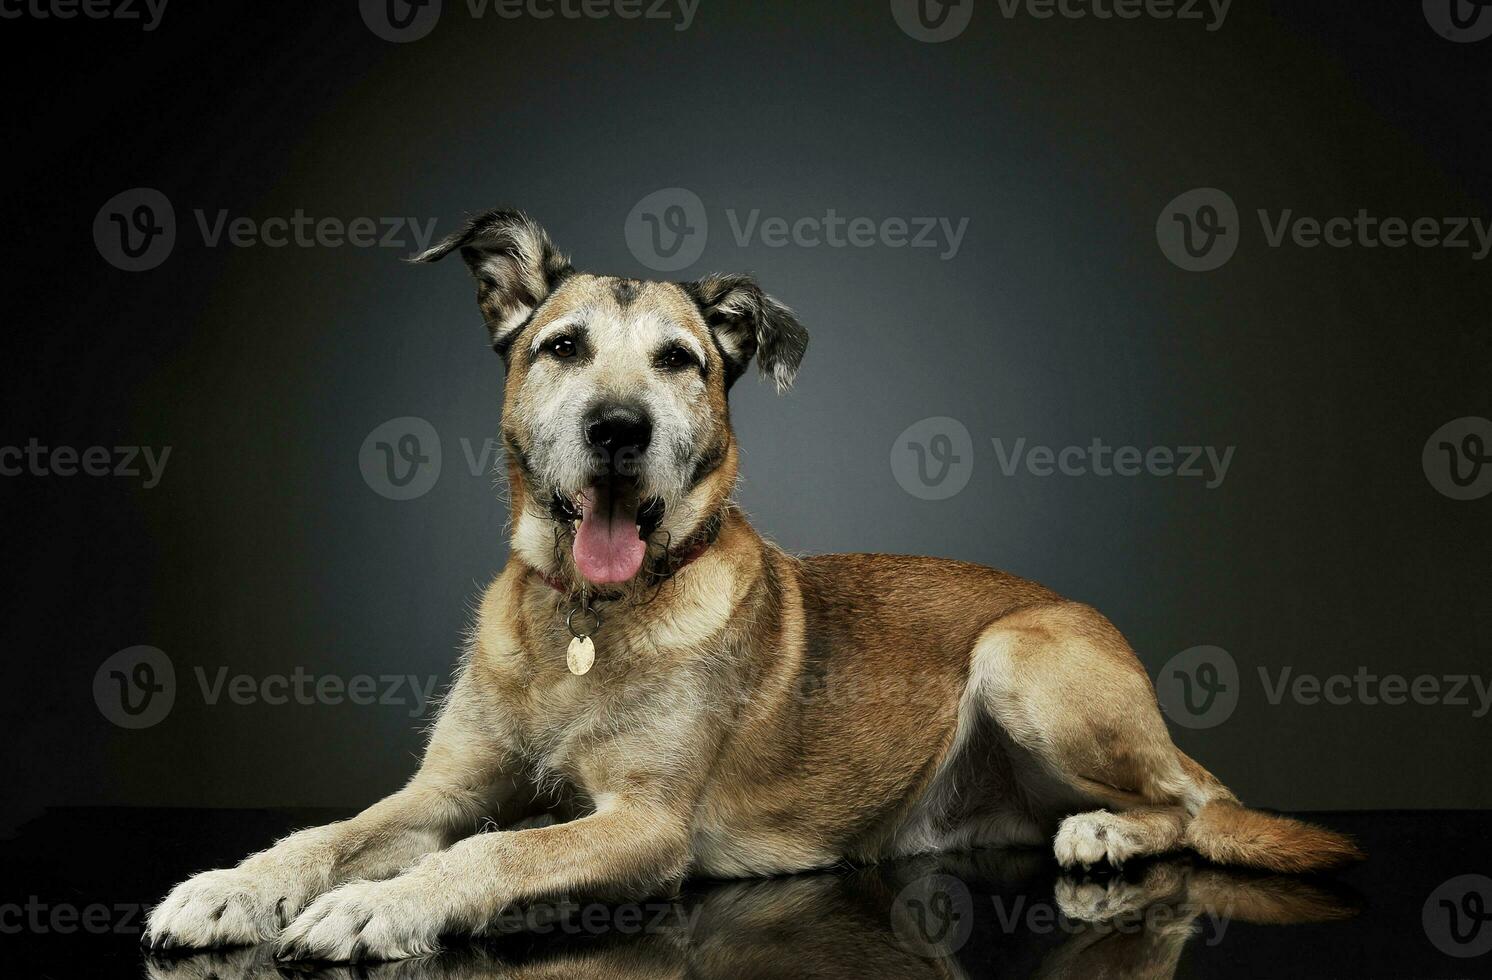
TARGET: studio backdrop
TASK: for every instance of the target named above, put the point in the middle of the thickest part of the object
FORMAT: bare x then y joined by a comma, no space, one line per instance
1181,314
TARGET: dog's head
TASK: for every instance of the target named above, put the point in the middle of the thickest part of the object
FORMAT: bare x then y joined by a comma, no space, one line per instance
615,419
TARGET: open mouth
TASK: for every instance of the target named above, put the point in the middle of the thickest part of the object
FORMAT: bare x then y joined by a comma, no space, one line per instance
611,541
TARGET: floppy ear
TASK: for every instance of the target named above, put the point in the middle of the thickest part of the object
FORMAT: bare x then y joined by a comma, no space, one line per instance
515,264
746,321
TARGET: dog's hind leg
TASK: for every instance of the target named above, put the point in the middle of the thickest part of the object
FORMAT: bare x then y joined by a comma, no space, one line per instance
1095,761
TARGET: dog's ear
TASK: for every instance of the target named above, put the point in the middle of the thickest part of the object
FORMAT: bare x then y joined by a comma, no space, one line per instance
515,264
746,321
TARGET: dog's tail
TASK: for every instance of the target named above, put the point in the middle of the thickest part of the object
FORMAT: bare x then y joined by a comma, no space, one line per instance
1226,832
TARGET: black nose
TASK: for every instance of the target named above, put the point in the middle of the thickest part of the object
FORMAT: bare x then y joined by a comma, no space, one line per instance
620,434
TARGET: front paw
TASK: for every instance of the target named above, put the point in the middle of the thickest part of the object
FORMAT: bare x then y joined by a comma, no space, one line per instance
231,907
365,920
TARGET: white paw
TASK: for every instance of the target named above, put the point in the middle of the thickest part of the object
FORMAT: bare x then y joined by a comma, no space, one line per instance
231,907
1090,838
365,920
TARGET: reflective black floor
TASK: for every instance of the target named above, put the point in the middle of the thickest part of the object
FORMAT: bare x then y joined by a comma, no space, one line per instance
76,882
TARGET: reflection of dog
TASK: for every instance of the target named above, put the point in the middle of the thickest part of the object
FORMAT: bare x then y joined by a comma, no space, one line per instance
864,924
727,709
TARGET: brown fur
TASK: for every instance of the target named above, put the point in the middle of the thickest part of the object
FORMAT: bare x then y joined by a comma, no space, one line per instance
753,714
1230,834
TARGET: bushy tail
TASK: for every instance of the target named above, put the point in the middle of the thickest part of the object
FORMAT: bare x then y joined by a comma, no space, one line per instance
1225,832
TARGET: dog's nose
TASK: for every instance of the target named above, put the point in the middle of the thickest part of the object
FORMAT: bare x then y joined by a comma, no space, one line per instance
619,431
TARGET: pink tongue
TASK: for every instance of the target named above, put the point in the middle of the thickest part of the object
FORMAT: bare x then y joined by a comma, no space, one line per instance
607,548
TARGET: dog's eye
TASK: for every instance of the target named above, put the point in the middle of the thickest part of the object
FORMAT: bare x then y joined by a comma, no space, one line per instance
676,358
561,347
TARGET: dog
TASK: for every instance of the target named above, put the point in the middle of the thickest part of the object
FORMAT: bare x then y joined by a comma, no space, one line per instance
684,698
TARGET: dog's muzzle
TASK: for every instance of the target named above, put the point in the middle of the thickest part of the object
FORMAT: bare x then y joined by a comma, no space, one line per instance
610,542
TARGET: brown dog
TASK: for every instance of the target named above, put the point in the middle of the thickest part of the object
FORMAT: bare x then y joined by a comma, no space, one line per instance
689,699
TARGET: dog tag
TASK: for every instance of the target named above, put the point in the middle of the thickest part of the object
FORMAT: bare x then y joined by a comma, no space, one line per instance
581,656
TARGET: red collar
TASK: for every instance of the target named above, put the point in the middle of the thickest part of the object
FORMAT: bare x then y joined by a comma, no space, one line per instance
672,565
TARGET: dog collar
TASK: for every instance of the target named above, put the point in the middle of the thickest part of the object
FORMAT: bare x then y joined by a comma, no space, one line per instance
581,654
582,651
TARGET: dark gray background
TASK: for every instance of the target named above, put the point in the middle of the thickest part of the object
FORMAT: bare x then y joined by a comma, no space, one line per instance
1059,320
